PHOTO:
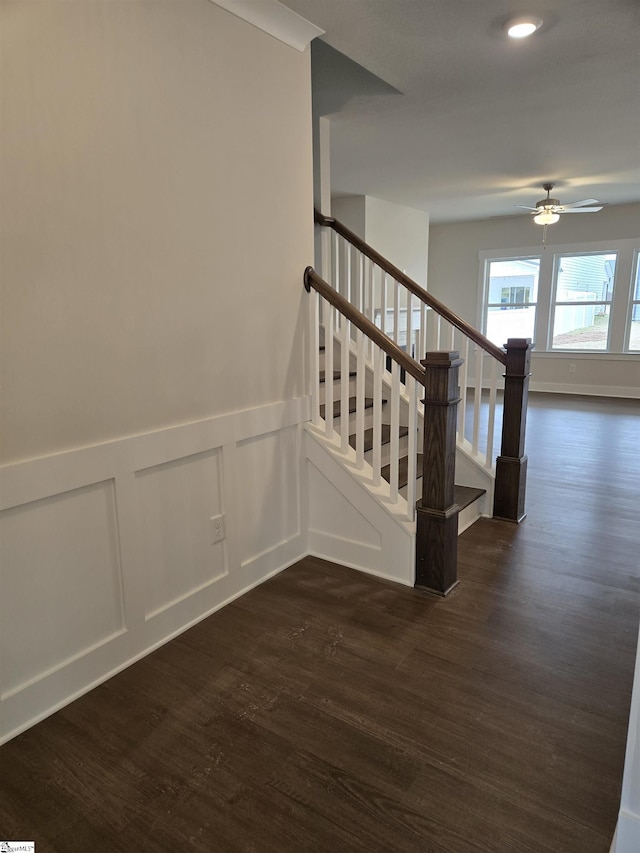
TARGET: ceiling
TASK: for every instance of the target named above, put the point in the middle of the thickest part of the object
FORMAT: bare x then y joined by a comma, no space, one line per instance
471,123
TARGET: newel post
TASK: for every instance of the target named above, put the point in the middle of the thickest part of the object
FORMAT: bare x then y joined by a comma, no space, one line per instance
511,465
437,512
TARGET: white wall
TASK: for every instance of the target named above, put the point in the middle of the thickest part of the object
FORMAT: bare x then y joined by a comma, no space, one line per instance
454,273
157,219
351,210
156,183
399,233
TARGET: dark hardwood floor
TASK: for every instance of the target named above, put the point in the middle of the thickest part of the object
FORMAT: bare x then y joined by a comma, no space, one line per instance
330,711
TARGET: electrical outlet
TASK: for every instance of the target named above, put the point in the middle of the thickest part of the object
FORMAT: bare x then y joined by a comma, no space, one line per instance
217,528
572,367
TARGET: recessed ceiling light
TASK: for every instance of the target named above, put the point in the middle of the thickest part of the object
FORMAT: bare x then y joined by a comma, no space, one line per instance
519,28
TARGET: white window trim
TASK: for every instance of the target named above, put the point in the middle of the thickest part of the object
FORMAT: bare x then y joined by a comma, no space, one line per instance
627,253
635,272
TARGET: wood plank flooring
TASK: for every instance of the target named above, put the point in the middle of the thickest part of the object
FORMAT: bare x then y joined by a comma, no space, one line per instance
330,711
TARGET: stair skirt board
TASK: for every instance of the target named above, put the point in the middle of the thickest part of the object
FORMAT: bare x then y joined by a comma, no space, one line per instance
348,523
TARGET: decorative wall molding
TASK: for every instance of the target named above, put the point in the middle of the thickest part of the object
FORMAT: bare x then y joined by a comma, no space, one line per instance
275,19
107,551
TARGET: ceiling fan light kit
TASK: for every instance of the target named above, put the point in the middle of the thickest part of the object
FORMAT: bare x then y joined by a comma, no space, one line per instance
547,217
519,28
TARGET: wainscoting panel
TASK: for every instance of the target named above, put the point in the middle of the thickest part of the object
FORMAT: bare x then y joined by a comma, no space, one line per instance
107,551
268,479
177,501
57,552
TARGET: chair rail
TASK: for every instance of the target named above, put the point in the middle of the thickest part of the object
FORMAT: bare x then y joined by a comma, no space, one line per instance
412,286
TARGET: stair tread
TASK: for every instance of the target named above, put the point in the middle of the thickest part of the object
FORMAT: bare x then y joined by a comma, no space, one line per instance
463,495
385,436
368,404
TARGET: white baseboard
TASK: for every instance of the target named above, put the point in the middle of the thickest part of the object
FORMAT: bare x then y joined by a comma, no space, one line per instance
622,391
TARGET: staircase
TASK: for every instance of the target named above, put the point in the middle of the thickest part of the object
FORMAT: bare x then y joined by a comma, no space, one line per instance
467,498
387,432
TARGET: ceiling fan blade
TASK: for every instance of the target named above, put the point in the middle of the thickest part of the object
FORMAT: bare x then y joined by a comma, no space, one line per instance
524,207
580,210
581,203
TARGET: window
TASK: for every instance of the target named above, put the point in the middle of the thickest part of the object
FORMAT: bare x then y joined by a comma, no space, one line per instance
634,313
582,305
512,295
578,298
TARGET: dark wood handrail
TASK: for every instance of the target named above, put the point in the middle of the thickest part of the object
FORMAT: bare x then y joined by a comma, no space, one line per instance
412,286
312,279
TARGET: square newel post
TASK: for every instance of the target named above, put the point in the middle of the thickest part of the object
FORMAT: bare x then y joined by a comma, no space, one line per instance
437,512
511,465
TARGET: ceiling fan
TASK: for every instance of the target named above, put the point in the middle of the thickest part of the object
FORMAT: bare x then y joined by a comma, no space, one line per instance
548,210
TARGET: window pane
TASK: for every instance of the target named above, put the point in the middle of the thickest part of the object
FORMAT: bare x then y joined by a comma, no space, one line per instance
515,322
512,294
636,292
513,282
581,327
585,278
634,335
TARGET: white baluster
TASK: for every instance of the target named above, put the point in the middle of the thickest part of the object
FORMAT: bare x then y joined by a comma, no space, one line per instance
360,377
384,292
411,386
345,336
463,378
477,399
396,312
370,307
422,337
347,278
450,336
492,411
395,427
431,343
378,368
328,369
409,349
314,355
